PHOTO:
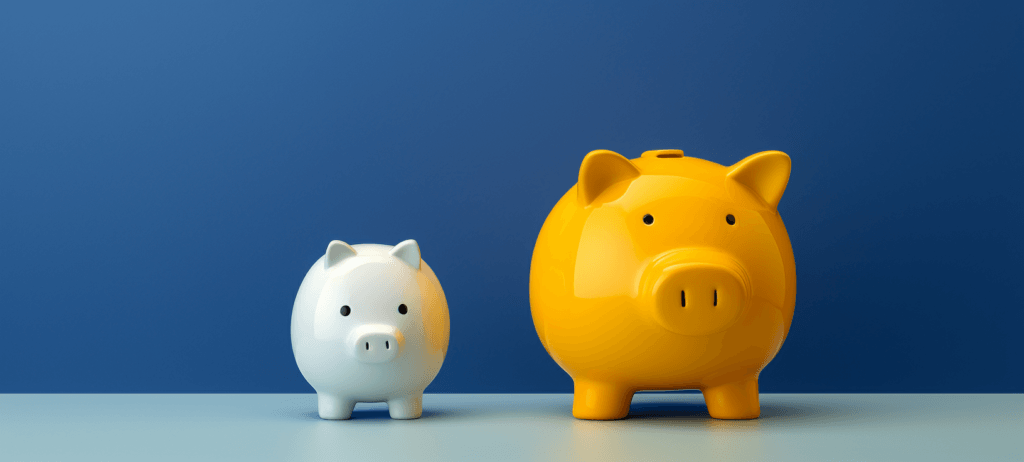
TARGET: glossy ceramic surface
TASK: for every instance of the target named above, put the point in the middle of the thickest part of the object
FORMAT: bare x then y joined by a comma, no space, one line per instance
666,272
370,324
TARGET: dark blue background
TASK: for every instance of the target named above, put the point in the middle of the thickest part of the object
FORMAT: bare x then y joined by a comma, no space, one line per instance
169,172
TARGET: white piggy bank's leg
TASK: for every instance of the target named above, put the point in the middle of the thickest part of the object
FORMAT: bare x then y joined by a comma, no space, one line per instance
406,407
334,407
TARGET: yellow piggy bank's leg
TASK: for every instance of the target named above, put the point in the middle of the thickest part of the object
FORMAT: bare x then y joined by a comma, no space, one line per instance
733,400
600,401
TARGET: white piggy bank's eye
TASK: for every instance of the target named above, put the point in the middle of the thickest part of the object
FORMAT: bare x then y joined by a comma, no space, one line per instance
403,309
345,310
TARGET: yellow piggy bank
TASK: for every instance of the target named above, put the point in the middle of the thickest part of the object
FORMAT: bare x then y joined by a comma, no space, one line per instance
666,272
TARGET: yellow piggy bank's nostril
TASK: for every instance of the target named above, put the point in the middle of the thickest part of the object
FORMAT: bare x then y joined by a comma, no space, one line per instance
716,298
682,295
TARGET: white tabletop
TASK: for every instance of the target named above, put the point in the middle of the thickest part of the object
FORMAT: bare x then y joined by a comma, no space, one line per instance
661,426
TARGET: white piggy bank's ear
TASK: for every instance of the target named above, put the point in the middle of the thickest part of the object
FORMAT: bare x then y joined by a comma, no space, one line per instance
409,252
766,173
337,251
600,170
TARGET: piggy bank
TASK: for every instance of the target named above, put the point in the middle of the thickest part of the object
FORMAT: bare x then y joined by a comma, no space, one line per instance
370,324
665,272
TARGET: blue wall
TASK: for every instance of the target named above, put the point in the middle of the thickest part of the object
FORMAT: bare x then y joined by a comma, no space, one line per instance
168,174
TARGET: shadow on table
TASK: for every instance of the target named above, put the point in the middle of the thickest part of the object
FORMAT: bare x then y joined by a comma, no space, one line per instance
648,409
773,413
383,415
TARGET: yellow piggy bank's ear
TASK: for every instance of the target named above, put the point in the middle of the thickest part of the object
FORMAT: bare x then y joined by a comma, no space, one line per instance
600,170
766,173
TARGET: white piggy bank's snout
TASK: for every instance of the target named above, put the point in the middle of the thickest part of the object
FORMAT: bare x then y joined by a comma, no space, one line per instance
376,343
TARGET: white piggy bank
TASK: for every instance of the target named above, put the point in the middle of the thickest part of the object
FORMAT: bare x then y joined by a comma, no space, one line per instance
370,324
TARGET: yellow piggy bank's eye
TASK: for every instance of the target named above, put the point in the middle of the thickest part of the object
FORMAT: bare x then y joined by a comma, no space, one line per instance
648,219
730,219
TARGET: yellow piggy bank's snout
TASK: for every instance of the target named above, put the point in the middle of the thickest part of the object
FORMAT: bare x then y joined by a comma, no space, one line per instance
695,291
